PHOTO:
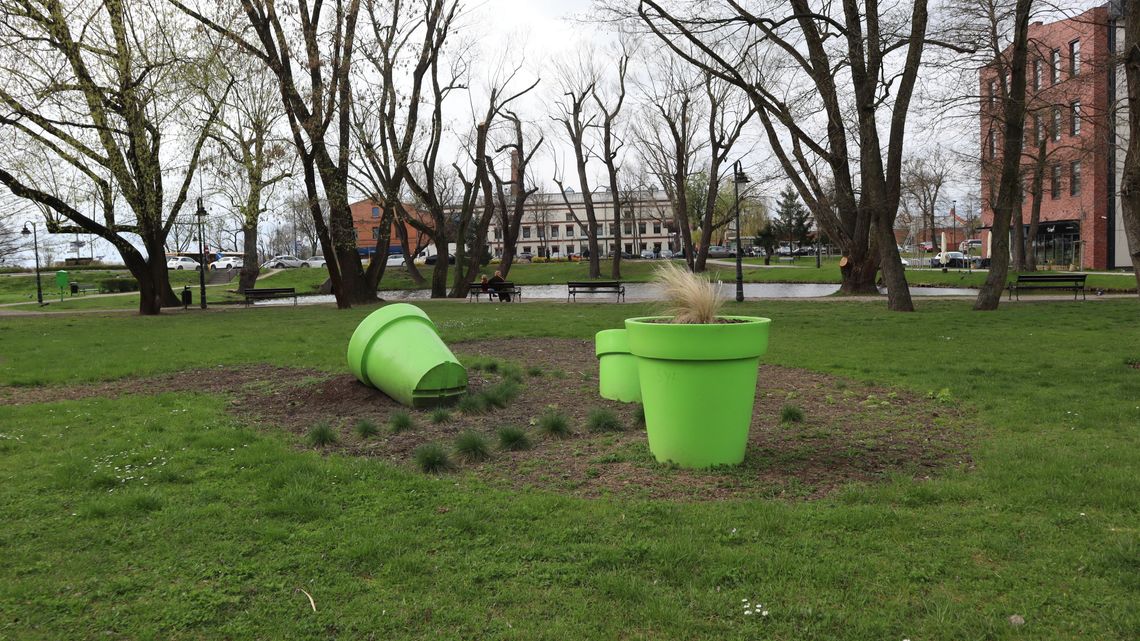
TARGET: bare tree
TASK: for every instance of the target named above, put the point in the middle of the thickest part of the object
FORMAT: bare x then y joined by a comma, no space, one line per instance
318,112
609,110
923,179
510,216
576,84
1130,182
785,62
95,89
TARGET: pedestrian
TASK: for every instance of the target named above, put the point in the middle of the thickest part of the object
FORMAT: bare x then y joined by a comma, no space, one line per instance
495,285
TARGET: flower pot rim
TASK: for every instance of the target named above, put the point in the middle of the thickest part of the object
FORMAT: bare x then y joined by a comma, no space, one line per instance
653,321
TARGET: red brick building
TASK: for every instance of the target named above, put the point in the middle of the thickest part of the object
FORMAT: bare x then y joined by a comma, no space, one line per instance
1070,86
366,216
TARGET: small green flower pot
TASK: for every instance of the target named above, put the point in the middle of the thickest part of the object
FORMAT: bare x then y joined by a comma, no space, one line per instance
698,385
397,350
617,368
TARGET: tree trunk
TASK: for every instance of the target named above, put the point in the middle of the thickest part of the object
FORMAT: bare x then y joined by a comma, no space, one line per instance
1130,181
409,259
615,268
1035,209
989,296
894,277
439,272
859,273
247,278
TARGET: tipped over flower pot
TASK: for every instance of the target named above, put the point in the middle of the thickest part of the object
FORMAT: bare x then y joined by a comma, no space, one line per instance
397,350
698,374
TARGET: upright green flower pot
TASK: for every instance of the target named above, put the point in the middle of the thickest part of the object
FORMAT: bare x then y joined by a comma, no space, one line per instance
698,384
617,368
397,350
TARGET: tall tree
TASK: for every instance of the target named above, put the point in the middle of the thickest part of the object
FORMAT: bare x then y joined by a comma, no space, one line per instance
609,111
318,111
89,87
576,83
793,220
1130,182
874,66
511,214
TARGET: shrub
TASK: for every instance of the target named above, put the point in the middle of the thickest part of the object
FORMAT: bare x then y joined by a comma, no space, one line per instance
472,404
690,298
440,415
501,394
321,434
535,371
601,419
791,414
401,421
511,372
554,423
118,285
472,447
366,428
513,438
431,458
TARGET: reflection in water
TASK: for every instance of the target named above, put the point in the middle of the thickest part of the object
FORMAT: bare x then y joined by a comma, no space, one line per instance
636,292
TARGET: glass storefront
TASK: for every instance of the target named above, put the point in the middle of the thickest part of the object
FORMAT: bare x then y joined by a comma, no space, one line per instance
1058,243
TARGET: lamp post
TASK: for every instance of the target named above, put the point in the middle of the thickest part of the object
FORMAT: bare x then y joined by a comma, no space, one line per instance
738,178
201,216
36,249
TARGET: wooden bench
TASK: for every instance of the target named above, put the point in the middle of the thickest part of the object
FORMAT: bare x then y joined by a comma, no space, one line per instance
81,289
266,293
573,288
492,292
1075,282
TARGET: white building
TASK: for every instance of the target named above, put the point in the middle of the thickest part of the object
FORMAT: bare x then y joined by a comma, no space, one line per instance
550,228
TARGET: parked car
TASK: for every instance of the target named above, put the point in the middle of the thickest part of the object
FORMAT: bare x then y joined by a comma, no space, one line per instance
806,250
394,260
434,258
281,262
228,262
926,246
970,244
181,262
718,251
648,254
952,260
524,256
314,261
905,262
666,254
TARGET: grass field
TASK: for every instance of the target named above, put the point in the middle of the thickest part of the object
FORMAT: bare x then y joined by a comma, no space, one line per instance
165,517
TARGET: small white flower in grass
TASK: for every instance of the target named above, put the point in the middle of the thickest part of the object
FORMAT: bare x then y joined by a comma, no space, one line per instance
764,613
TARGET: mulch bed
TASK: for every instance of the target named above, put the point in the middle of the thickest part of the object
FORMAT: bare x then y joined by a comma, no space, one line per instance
850,432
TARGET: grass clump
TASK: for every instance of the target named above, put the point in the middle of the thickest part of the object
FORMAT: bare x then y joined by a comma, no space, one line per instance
400,422
472,447
791,414
639,414
554,423
513,439
431,458
511,373
501,394
366,428
535,371
440,416
601,419
472,404
321,434
689,298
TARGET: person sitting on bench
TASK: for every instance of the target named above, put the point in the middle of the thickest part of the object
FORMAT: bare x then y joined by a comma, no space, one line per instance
494,284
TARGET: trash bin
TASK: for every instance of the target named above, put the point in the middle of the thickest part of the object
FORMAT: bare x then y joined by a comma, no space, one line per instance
187,297
74,288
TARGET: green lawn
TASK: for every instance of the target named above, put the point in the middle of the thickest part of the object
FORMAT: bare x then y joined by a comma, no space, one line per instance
164,517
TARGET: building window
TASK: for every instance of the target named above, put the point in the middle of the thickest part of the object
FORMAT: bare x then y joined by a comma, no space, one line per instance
526,232
1037,74
627,229
1055,130
375,212
569,249
569,230
991,142
569,217
1075,118
1055,182
629,248
541,229
641,229
375,233
1075,58
993,92
498,234
554,231
1038,130
582,230
1055,66
1075,178
657,228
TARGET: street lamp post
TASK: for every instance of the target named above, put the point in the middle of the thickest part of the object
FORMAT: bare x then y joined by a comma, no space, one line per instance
36,249
201,216
738,178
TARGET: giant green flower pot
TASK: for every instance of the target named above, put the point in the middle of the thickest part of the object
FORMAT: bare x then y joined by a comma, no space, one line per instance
397,350
698,384
617,368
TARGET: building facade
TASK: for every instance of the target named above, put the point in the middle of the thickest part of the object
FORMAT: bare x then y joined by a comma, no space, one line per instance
366,216
1071,87
554,229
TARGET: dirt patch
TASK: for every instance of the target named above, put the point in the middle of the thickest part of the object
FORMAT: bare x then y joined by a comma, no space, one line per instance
849,431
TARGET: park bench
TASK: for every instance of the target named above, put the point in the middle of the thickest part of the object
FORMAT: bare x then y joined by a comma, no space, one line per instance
82,288
1075,282
573,288
492,292
266,293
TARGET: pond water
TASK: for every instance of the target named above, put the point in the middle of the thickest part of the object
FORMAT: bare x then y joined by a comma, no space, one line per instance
638,292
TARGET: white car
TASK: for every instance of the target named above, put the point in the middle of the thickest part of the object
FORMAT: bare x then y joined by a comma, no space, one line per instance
314,261
394,260
281,262
181,262
666,253
648,254
229,262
